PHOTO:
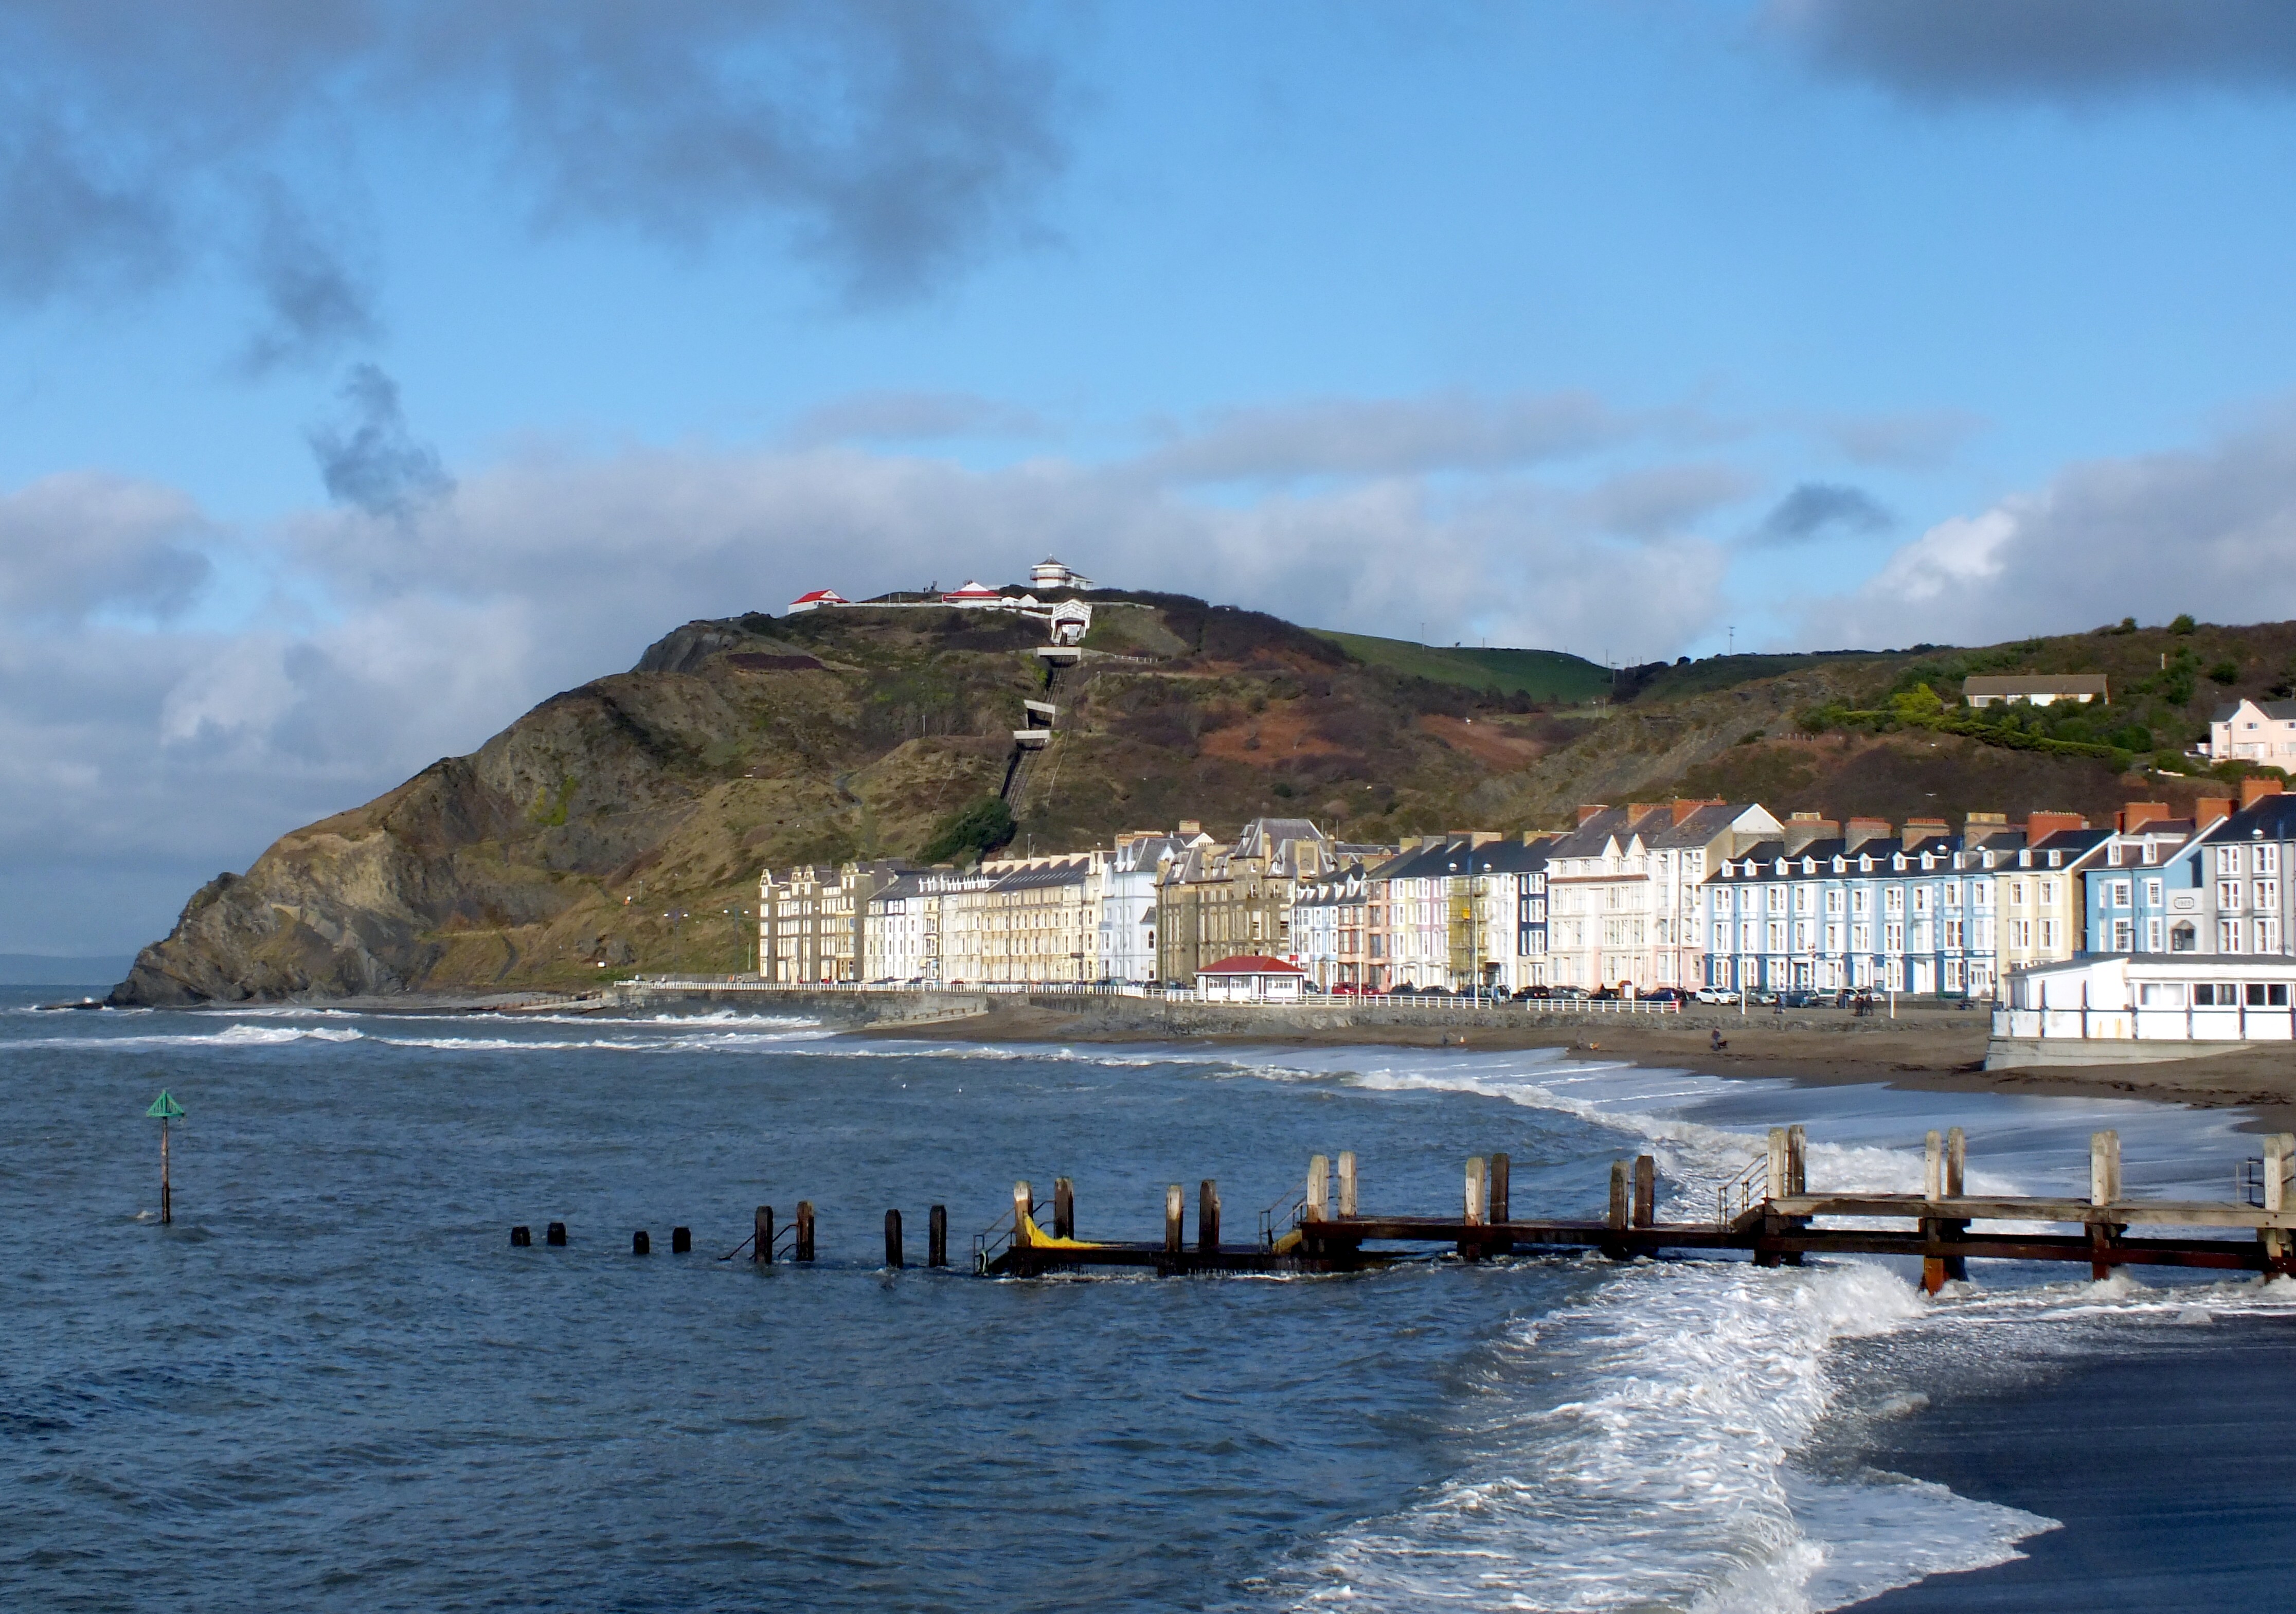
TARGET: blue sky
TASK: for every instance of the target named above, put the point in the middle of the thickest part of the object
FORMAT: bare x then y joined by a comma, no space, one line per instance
369,369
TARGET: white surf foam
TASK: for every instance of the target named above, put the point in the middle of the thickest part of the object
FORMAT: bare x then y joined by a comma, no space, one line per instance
1638,1456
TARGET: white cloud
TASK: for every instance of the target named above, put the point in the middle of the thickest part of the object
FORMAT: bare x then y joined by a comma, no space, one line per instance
2211,531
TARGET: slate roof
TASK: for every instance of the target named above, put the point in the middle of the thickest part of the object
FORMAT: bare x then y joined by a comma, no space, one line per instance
2051,684
2281,711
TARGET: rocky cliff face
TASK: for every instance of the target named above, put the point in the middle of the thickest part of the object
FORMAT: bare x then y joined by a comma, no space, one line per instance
623,824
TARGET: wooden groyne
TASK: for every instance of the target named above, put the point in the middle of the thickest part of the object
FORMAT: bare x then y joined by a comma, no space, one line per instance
1769,1212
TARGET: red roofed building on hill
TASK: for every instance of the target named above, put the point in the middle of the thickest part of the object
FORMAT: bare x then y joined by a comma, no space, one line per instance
815,601
974,594
1250,978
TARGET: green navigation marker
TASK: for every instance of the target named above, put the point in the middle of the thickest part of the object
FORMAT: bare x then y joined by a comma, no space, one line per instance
166,1108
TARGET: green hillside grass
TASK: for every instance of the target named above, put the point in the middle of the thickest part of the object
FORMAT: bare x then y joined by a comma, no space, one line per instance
1540,675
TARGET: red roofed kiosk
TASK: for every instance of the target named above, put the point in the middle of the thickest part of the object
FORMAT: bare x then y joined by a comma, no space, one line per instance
972,594
815,601
1251,978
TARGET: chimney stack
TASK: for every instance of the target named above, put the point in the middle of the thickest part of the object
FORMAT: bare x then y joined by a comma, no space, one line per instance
1190,828
2255,790
1684,807
1857,832
1804,828
2138,813
1636,811
2210,809
1918,830
1588,809
2041,826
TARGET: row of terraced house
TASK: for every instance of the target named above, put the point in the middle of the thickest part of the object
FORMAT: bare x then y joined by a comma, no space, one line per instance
1682,893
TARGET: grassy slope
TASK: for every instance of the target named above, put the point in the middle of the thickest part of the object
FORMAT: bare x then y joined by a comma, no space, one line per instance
1542,675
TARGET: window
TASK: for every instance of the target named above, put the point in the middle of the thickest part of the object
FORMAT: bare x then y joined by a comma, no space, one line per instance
2160,995
2268,936
2152,936
2122,894
2153,893
1801,935
2124,936
1953,935
1953,894
1834,938
1802,898
2227,860
2228,936
1981,896
1861,938
2048,892
2266,895
1861,900
1893,938
1922,895
2267,860
2048,934
1778,936
1777,899
1834,900
2021,933
2228,894
2016,893
1893,899
2182,937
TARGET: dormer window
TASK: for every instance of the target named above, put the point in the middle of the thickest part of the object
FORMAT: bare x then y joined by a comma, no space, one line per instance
1840,863
1809,865
1898,862
2057,860
1928,862
1866,864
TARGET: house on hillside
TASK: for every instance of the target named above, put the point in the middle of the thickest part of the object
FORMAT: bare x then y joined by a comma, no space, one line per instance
816,600
2043,690
972,596
2254,731
1050,574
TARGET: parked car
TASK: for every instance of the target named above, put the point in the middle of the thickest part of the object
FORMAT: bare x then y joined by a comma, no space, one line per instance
1715,995
1666,995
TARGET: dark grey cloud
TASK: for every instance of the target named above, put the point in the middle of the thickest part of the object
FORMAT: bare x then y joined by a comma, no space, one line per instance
891,144
371,461
1821,510
317,303
2077,49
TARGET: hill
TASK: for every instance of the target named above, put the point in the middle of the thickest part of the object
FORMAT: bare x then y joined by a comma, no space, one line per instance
623,825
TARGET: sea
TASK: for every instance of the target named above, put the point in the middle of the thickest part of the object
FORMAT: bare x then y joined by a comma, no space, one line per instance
334,1383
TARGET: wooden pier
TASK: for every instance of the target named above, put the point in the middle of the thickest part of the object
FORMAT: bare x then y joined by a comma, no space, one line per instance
1768,1212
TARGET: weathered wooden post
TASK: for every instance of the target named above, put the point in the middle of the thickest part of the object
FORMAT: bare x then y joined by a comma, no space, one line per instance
640,1245
1320,1188
1063,1209
1173,1205
893,1239
1347,1182
2103,1189
1024,1206
1207,1217
166,1108
1618,1211
681,1241
554,1235
2279,1164
521,1237
1797,1161
1473,1213
1956,1163
1932,1190
761,1239
1502,1173
804,1250
1645,1191
1777,1185
937,1236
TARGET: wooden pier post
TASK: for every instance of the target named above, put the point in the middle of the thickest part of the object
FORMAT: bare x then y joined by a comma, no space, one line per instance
1957,1175
1797,1161
1645,1191
1473,1215
521,1237
937,1236
1063,1209
1024,1206
804,1250
1319,1189
1207,1217
1347,1182
893,1239
681,1241
554,1235
2103,1189
1619,1192
762,1237
640,1245
2279,1163
1172,1204
1932,1190
1502,1171
1777,1185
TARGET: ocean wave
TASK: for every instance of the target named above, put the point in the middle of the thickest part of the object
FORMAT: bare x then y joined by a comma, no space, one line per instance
1664,1479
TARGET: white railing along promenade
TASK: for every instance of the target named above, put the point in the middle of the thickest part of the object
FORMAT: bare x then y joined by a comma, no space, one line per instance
1383,1002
